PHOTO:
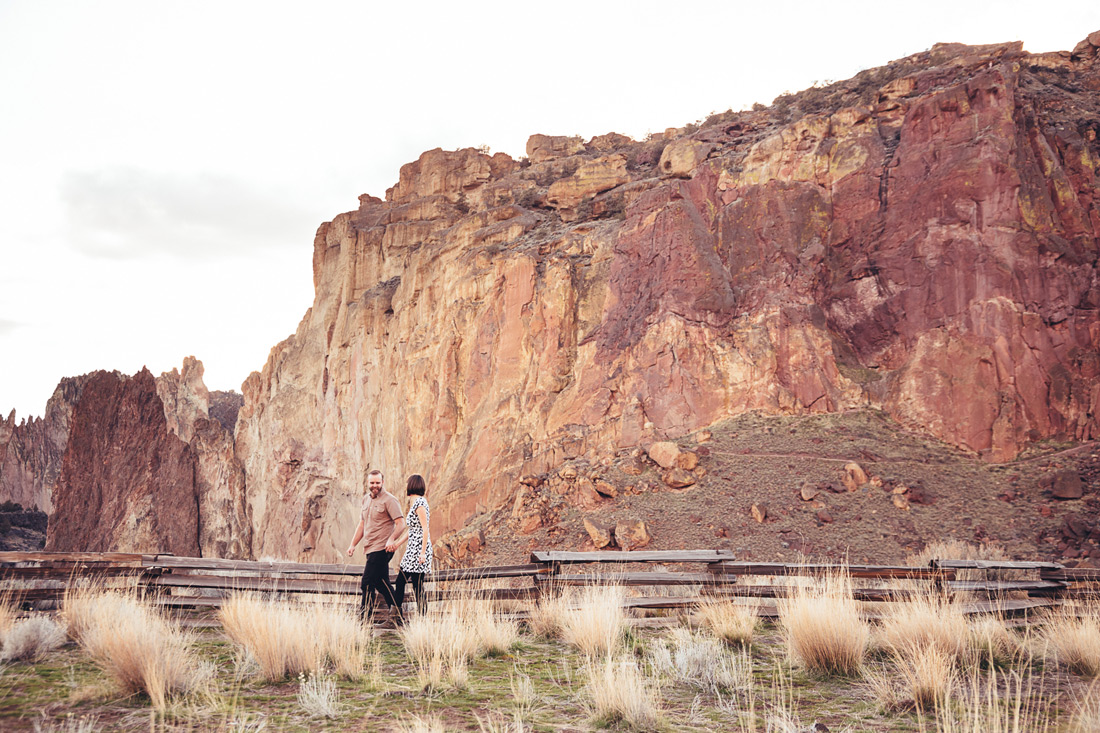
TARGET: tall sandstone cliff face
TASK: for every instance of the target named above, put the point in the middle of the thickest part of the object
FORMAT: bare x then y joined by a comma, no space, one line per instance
922,238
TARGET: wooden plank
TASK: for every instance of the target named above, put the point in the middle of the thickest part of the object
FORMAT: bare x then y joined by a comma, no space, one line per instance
117,558
259,584
486,573
884,572
1078,574
253,566
1004,586
664,556
994,565
639,578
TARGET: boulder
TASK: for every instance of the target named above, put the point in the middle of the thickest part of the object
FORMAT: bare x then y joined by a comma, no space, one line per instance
681,157
541,148
678,478
631,534
664,453
1064,484
808,492
854,476
687,460
599,534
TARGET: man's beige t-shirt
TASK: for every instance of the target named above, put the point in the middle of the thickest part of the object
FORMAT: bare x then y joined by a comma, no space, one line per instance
379,516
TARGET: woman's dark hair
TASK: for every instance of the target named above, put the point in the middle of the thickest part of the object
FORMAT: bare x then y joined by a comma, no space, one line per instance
416,486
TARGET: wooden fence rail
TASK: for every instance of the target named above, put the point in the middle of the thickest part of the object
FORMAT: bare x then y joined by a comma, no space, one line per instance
205,582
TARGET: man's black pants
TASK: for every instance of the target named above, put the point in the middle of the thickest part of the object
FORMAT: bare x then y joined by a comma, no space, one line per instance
376,577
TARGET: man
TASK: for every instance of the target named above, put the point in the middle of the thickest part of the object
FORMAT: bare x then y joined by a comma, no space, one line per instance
381,523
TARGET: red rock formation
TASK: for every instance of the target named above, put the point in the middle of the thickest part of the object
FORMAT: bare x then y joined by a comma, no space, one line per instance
922,238
30,454
127,484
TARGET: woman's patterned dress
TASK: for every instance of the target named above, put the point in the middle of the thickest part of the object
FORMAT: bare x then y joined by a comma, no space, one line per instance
410,563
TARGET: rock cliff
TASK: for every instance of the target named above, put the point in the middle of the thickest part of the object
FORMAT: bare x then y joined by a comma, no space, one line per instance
921,238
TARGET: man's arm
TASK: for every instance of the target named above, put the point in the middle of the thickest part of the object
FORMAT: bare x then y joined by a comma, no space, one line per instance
398,528
355,540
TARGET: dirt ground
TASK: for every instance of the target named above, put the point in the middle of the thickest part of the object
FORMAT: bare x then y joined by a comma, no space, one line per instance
766,460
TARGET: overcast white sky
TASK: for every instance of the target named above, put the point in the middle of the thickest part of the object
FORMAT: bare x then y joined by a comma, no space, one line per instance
164,165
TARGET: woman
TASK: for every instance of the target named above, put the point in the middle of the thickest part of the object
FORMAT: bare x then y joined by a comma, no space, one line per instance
417,560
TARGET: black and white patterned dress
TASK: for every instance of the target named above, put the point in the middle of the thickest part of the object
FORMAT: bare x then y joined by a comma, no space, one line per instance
410,563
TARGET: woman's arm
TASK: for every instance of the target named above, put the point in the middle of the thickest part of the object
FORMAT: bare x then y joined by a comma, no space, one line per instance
422,515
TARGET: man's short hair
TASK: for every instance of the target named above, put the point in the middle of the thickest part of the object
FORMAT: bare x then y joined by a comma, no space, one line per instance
375,472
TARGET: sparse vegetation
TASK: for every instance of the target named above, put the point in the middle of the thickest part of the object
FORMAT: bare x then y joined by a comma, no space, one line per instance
443,671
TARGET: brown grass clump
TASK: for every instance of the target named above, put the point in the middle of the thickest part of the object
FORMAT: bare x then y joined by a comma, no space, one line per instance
927,619
137,647
278,636
620,693
823,627
595,623
544,616
731,622
992,641
9,611
344,643
928,673
1074,640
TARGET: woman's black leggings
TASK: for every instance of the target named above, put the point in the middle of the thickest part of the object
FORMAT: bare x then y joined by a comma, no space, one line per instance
417,582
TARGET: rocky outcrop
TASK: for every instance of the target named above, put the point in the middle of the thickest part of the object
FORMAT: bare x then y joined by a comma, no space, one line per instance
130,486
922,239
206,421
31,452
127,483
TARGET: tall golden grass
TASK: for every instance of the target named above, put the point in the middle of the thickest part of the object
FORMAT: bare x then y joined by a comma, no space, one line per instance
594,622
731,622
286,639
141,650
619,692
822,625
926,619
1073,638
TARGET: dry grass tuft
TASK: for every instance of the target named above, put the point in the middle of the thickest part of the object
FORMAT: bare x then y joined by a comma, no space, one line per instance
620,693
927,619
929,675
995,703
318,696
1074,639
9,611
731,622
595,623
993,642
277,636
426,724
136,646
32,638
822,626
544,616
702,662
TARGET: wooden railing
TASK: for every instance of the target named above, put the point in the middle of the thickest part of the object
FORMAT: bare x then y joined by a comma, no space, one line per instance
205,582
